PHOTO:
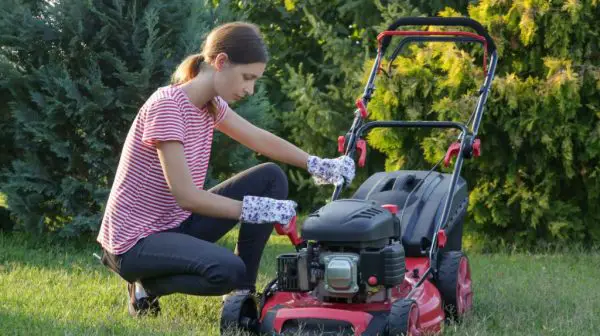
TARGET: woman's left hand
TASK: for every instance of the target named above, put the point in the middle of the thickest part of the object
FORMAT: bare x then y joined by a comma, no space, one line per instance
331,171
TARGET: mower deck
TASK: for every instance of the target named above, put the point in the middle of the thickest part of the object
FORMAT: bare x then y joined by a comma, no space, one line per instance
287,312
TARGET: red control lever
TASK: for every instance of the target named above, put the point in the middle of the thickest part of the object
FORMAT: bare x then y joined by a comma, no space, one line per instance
477,148
361,145
452,152
361,106
341,144
393,208
442,238
290,231
455,148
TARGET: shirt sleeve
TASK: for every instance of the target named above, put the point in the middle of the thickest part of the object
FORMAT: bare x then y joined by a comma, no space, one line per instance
222,108
164,121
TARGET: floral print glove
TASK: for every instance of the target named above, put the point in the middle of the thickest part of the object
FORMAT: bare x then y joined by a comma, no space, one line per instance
331,171
259,210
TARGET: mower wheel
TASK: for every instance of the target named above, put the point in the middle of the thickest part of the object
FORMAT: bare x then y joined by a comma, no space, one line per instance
239,314
454,283
403,319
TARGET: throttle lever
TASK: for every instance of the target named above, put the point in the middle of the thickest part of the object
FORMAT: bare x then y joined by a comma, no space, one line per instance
290,231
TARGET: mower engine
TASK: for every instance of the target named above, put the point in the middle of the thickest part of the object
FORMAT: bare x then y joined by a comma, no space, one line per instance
356,253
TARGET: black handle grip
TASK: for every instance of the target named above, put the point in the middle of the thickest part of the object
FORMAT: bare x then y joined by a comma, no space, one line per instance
439,21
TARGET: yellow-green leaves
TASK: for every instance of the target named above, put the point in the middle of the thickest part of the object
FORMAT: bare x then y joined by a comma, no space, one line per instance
290,5
538,176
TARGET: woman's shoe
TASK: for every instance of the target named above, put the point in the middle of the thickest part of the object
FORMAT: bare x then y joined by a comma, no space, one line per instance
143,306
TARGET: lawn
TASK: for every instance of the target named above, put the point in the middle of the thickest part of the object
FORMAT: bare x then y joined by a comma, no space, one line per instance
54,288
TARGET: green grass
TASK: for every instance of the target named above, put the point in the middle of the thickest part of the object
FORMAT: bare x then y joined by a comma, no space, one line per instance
50,287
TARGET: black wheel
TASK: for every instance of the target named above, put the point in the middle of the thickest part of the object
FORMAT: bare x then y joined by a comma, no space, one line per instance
239,314
454,283
403,319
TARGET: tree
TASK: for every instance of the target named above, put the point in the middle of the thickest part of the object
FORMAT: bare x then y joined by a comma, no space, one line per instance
80,70
537,180
7,147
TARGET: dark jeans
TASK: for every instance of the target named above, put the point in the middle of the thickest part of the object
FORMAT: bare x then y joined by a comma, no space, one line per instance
187,260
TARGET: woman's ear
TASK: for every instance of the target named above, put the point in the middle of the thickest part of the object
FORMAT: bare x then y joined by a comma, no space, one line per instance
220,61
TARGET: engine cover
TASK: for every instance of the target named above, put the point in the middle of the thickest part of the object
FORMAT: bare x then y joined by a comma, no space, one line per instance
352,222
341,272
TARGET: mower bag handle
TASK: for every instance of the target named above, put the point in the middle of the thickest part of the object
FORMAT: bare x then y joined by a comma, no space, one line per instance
439,21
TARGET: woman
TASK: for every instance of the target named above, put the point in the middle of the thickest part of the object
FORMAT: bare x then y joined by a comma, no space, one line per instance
160,227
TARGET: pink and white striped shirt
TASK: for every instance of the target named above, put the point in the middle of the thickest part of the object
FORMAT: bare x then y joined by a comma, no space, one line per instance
140,202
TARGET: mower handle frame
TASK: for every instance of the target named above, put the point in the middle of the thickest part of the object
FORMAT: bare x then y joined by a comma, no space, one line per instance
384,38
467,134
439,21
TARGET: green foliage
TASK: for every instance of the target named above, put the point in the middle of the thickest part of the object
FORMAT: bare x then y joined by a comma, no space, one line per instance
7,147
80,70
433,7
538,177
74,74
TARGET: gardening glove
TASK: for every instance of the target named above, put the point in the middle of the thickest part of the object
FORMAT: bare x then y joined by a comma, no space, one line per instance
331,171
259,210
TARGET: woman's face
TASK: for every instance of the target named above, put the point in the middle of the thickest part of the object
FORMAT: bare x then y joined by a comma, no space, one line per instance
235,81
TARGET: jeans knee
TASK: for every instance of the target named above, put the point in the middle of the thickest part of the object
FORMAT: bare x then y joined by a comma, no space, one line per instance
279,181
230,273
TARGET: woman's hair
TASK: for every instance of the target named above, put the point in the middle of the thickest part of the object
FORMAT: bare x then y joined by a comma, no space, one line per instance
241,41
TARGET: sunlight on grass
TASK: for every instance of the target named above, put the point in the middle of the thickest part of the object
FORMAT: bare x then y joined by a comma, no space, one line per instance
62,289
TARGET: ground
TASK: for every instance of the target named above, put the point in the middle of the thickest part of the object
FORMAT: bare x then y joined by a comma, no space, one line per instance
54,288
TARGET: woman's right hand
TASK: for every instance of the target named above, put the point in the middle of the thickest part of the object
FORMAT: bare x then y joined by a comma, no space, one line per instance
261,210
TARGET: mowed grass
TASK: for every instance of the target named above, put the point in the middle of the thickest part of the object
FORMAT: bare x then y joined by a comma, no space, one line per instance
51,287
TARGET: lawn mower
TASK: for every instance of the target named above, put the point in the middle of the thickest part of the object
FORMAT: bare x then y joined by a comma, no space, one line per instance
388,260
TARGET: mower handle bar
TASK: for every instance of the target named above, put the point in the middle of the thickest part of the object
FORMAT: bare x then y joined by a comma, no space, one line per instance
439,21
363,128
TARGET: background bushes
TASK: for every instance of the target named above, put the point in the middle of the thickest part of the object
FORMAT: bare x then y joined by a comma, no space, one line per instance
75,73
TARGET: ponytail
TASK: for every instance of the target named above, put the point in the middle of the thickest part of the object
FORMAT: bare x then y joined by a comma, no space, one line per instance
186,71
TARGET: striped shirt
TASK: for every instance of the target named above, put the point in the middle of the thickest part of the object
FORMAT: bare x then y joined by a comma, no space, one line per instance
140,202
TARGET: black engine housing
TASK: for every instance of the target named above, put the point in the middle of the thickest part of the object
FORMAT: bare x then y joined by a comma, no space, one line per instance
301,271
379,238
352,223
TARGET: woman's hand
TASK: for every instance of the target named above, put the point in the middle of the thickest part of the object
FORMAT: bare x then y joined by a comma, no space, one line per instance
331,171
261,210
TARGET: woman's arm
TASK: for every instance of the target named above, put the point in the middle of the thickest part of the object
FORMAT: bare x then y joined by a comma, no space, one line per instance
325,171
252,209
261,141
182,187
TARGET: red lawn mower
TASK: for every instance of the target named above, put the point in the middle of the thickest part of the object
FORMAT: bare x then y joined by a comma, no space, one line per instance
388,260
